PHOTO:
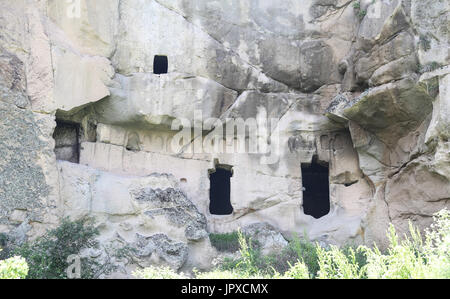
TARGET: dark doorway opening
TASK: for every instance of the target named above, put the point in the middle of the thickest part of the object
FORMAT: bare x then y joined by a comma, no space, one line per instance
316,189
67,144
160,65
219,192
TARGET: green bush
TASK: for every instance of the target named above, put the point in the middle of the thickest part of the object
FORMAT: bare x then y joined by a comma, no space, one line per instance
13,268
228,242
356,5
47,255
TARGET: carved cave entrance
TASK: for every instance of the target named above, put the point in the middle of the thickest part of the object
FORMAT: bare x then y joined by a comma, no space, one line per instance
219,192
316,189
160,64
67,141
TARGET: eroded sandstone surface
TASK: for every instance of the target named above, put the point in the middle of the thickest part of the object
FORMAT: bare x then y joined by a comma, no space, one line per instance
88,129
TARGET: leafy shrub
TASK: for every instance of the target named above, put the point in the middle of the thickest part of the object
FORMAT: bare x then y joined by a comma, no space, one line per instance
154,272
228,242
13,268
47,255
356,5
361,13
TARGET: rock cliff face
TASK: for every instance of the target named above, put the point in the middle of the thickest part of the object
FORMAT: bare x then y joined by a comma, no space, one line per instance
260,89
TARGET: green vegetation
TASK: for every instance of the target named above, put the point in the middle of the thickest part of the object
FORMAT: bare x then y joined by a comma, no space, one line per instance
429,67
254,263
153,272
424,42
412,257
13,268
3,246
362,13
228,242
409,257
336,264
47,256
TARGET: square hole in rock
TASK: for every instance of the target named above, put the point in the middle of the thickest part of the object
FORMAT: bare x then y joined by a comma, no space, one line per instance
67,144
160,64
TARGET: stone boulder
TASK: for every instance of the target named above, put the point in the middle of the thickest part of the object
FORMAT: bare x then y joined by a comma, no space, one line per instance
269,238
392,110
418,191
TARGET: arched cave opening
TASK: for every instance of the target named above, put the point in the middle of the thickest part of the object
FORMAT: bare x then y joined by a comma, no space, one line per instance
160,64
219,192
67,141
316,189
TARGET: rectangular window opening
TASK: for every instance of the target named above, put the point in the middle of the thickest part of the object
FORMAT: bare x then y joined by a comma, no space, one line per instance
219,192
316,189
67,141
160,64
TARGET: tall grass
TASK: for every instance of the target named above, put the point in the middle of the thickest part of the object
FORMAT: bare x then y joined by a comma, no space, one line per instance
409,256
